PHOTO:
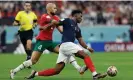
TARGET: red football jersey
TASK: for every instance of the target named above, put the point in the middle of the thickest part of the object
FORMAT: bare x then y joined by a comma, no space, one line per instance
46,34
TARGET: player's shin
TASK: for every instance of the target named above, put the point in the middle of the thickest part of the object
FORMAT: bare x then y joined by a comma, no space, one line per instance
74,63
90,65
23,65
28,52
48,72
53,71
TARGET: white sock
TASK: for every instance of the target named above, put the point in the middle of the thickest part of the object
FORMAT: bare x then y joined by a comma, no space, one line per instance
94,73
22,66
36,74
73,61
75,64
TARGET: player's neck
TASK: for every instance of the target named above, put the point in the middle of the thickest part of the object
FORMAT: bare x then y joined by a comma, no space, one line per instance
74,19
49,14
27,11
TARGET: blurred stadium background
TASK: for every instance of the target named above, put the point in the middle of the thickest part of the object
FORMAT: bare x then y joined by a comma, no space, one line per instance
107,27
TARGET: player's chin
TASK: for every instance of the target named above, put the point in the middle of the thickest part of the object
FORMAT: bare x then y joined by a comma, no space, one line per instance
79,21
52,13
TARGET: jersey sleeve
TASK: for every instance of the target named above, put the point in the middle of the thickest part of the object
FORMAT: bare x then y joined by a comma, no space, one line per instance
56,18
78,34
61,21
17,18
35,17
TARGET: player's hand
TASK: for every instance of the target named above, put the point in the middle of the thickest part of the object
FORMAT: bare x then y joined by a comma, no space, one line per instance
54,22
90,49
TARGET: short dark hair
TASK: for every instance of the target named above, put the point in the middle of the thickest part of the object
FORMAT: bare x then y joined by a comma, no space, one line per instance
76,12
27,2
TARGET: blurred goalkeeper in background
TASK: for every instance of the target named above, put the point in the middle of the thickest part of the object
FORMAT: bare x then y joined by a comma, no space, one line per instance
27,20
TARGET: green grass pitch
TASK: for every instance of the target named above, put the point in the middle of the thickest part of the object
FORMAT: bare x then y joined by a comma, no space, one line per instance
122,60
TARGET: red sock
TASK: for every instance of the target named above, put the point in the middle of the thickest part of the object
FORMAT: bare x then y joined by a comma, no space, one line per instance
89,64
48,72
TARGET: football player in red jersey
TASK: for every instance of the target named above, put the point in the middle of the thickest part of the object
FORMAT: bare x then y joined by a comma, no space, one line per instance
44,41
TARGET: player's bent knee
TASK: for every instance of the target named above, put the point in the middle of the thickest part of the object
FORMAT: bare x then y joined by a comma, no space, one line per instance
57,72
59,67
81,54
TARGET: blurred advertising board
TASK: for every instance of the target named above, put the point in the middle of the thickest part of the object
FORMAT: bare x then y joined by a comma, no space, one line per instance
112,46
97,46
118,47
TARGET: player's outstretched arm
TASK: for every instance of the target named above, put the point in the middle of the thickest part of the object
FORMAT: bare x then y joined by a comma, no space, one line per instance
83,44
59,25
49,25
60,29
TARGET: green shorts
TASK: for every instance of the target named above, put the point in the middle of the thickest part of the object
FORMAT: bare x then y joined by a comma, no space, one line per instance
42,45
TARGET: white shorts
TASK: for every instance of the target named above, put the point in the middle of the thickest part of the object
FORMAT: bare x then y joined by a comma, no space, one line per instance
67,51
